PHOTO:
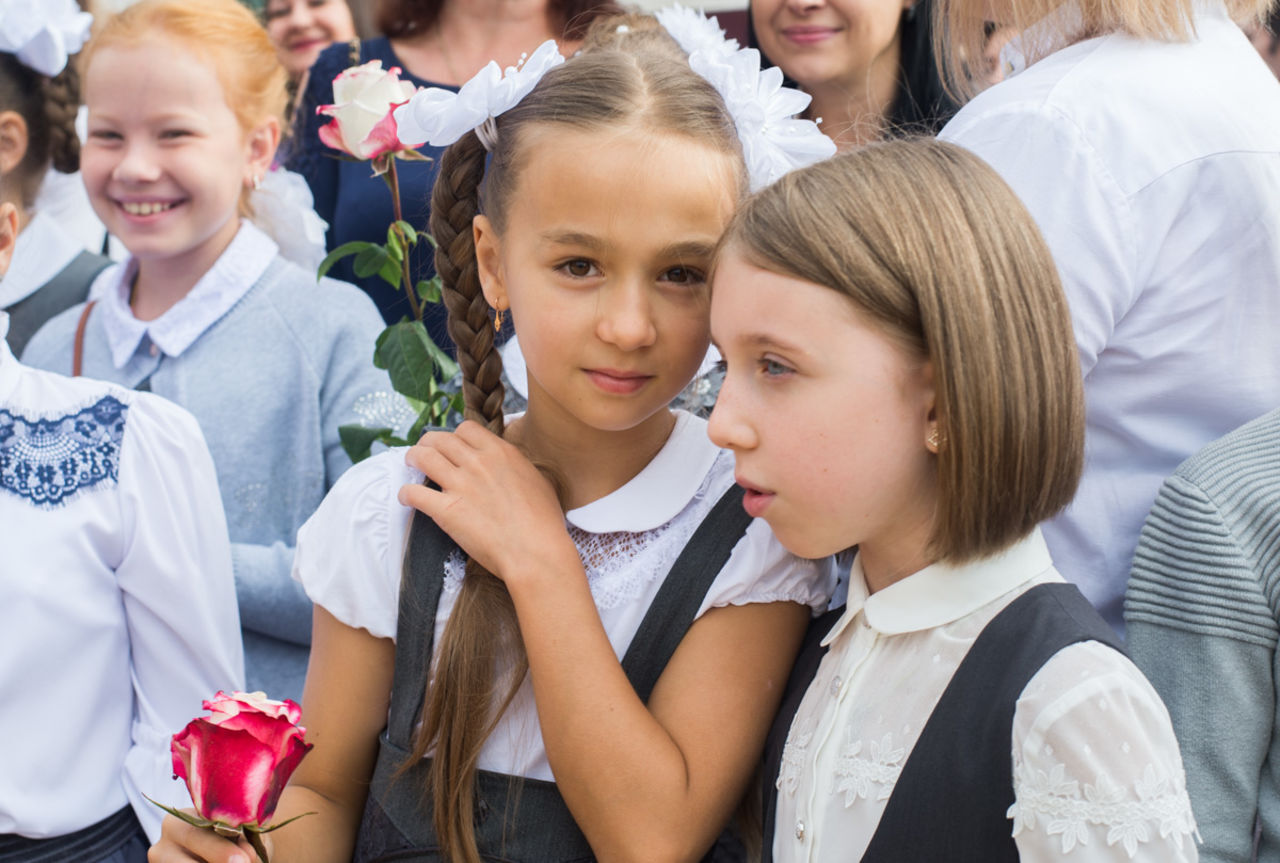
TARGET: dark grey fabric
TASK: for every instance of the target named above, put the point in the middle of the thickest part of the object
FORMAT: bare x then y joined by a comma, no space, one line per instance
68,288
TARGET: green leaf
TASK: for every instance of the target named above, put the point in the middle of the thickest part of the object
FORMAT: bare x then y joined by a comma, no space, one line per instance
429,290
410,235
250,830
390,272
369,260
405,349
432,240
358,440
191,818
395,248
338,254
444,363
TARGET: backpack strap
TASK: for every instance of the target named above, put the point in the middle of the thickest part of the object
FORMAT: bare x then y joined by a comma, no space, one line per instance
77,348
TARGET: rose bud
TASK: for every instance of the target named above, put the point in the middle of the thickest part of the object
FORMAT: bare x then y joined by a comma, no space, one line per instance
363,123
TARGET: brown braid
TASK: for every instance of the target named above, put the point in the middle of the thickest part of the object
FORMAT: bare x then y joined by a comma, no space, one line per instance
61,103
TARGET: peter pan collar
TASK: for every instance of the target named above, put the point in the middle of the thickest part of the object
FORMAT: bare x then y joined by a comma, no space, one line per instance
942,593
230,278
42,251
659,492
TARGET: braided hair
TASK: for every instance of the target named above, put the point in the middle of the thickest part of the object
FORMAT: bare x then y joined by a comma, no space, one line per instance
48,107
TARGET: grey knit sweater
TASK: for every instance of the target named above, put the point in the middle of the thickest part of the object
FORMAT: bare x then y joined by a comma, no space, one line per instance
1203,613
270,382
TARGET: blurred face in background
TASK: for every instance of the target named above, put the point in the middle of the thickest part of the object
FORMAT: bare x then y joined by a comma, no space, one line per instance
301,29
825,43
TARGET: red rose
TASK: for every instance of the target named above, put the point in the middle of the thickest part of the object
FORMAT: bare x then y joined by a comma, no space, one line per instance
237,760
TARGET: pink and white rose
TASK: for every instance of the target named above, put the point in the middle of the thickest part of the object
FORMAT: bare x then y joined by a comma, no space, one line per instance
237,760
364,100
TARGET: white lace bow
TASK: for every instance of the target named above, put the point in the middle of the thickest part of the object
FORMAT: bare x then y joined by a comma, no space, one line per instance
773,140
43,34
439,117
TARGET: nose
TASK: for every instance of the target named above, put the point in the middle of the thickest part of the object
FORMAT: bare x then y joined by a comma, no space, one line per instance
800,7
299,15
137,164
729,425
625,316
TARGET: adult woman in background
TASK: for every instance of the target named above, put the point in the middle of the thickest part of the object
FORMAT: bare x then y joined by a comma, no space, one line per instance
437,43
868,65
1144,137
301,29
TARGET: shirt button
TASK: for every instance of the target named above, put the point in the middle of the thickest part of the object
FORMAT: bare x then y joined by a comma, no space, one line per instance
800,830
835,686
154,350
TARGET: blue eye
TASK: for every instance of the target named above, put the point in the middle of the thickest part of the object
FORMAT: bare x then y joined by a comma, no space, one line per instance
773,368
721,367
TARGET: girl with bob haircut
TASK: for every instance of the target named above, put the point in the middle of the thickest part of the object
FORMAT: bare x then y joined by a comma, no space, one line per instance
1144,138
900,377
207,311
570,670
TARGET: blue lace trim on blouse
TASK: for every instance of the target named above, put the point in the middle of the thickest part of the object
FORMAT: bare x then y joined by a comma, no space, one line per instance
47,461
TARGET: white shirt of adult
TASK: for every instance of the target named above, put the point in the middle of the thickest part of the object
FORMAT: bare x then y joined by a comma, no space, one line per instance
117,603
1097,775
1153,171
350,556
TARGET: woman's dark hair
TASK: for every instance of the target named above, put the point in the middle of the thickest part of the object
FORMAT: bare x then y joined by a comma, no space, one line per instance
922,105
398,18
48,106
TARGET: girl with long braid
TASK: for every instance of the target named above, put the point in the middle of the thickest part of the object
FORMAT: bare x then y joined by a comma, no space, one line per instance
576,668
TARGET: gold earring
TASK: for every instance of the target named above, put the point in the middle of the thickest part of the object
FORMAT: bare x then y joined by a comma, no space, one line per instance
931,440
497,320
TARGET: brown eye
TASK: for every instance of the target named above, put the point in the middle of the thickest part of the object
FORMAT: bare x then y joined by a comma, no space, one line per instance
580,269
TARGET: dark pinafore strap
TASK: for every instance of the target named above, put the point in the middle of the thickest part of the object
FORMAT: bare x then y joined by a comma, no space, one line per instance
951,799
93,843
516,819
66,289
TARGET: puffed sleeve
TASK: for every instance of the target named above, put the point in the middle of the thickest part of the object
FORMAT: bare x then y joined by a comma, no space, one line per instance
178,593
1084,215
1097,772
761,570
349,553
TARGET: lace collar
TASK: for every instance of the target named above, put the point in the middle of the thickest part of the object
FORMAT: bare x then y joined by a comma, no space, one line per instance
8,364
230,278
43,250
659,492
942,593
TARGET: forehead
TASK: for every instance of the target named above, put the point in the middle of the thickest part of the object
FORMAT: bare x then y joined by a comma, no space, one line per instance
124,75
623,182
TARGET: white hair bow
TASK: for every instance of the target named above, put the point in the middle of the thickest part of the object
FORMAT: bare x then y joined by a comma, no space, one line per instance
773,140
439,117
43,34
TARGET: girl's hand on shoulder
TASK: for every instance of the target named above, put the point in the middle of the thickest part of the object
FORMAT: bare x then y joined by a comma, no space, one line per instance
181,842
492,501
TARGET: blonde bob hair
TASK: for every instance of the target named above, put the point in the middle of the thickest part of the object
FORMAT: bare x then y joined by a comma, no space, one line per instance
961,27
931,246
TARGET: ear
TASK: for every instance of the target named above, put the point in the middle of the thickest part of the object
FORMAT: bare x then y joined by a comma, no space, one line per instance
489,262
13,140
8,234
260,149
928,393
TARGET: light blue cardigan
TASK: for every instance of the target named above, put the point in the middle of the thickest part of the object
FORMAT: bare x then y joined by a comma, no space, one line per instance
270,382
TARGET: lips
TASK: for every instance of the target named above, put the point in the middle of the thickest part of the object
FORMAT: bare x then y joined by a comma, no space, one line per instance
808,34
618,381
754,500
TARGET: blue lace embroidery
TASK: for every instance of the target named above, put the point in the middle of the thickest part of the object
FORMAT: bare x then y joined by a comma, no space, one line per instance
47,461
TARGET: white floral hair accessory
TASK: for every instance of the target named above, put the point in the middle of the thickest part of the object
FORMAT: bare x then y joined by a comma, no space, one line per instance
43,34
439,117
285,211
773,140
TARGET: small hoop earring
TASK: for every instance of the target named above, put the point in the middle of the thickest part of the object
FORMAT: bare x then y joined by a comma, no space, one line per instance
931,440
497,320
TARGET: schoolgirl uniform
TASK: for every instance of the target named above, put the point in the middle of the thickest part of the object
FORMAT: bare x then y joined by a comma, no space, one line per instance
982,712
51,272
271,363
117,611
351,555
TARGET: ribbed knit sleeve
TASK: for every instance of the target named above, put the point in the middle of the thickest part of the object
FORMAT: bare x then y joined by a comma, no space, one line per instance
1203,625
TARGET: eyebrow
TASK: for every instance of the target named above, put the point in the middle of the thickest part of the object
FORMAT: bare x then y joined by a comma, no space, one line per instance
688,250
573,238
764,341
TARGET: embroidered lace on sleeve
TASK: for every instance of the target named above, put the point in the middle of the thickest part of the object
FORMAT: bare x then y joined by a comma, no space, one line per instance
1097,772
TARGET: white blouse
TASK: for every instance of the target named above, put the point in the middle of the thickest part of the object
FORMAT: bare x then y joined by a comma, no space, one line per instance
350,556
117,603
1097,775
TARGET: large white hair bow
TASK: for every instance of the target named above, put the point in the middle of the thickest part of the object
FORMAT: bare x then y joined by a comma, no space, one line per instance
43,34
773,140
439,117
